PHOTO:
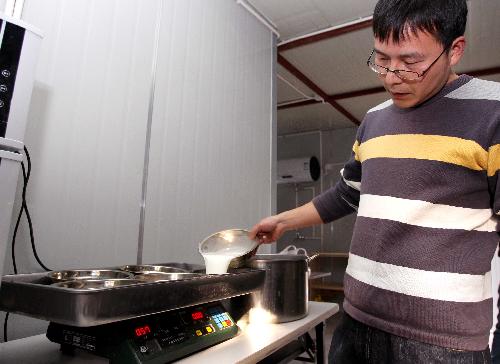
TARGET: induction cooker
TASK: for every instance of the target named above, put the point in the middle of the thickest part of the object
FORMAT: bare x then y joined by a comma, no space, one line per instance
145,321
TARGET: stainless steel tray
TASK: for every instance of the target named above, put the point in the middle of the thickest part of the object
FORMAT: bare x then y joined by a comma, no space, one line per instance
33,295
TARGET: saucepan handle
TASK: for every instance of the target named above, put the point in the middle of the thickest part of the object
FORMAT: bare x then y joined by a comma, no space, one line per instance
290,249
312,257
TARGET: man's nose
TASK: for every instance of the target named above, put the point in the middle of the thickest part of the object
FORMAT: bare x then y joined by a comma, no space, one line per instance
392,79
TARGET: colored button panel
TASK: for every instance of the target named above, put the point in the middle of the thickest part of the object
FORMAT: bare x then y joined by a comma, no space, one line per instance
222,320
198,333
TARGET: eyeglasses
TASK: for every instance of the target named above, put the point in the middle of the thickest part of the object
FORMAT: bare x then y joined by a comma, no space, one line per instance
402,74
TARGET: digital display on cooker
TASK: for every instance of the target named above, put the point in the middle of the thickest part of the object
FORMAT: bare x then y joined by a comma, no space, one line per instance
197,315
143,330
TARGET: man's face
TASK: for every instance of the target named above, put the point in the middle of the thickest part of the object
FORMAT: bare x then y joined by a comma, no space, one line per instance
414,53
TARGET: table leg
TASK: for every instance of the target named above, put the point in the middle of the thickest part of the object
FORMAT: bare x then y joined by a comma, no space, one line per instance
320,351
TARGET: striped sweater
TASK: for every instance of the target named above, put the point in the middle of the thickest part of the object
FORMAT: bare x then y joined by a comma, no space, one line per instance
424,182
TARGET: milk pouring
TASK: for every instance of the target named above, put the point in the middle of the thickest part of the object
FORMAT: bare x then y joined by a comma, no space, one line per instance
220,248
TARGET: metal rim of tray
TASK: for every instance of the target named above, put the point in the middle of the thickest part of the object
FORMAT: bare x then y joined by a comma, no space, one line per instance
85,274
160,276
140,269
94,284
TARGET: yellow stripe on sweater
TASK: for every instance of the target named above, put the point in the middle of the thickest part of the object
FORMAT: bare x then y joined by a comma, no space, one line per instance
355,148
458,151
493,159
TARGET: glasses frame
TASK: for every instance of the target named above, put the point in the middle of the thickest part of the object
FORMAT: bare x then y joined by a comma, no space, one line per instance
397,72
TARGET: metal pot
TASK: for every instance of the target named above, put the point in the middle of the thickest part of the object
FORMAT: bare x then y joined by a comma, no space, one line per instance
285,291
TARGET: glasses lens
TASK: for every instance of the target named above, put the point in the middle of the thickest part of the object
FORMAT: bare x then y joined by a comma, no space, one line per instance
379,69
402,74
407,75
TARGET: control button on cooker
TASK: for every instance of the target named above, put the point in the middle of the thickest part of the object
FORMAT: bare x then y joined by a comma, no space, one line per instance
172,339
3,88
2,103
148,347
6,73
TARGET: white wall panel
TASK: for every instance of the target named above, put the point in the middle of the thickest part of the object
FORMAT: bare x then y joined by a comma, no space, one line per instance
86,134
86,130
2,5
210,162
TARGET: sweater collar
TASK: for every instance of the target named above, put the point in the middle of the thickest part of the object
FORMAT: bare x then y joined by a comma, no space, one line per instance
449,87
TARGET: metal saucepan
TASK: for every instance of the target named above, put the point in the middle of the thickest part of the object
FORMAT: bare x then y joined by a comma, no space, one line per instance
81,274
140,269
160,276
92,284
286,286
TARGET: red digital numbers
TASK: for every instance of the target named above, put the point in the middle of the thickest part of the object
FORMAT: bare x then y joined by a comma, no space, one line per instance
197,315
141,331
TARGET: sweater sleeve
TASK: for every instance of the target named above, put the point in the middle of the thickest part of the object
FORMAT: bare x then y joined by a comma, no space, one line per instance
493,172
343,198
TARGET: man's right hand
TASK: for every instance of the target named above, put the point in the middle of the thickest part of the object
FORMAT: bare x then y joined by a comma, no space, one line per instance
272,228
267,230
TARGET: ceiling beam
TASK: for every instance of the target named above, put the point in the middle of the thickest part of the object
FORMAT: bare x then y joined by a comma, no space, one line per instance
315,88
368,91
334,32
298,103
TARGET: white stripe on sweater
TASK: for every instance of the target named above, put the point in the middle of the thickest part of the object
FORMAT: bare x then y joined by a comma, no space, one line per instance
477,89
352,184
381,106
426,214
443,286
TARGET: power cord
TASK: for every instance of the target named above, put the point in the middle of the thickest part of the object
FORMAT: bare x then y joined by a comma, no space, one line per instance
24,207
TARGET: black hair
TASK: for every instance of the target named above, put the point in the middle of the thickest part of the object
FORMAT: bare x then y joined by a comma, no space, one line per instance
444,19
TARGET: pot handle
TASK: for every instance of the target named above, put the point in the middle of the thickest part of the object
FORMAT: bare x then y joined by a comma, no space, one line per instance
290,249
301,251
312,257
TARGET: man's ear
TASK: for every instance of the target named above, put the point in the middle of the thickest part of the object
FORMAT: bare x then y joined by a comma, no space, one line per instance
457,50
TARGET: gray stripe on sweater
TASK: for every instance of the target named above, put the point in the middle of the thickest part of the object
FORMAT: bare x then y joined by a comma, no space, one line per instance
451,324
467,252
411,179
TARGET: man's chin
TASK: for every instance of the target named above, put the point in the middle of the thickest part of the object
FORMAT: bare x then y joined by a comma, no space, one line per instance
404,103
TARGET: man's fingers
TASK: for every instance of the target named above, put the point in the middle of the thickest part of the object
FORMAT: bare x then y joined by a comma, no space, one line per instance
252,234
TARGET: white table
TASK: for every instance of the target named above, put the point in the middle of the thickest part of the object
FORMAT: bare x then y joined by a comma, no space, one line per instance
254,343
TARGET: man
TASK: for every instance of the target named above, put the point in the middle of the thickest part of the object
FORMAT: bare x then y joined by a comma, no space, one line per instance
495,346
423,178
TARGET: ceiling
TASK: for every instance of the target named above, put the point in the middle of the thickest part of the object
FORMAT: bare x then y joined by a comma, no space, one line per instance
323,81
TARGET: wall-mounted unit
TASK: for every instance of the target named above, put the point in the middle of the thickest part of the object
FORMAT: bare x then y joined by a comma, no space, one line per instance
298,170
19,44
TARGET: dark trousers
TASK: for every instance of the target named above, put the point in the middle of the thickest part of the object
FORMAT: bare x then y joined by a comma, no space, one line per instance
354,342
495,347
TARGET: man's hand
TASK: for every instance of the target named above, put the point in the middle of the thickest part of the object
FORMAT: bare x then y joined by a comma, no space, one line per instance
267,230
272,228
